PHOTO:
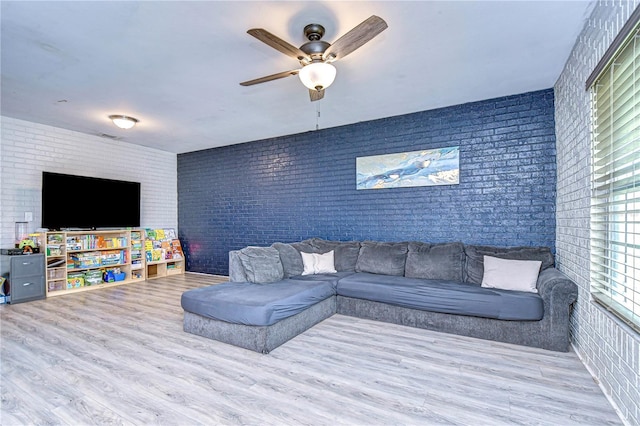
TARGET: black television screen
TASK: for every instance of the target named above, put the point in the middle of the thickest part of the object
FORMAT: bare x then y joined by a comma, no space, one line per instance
70,201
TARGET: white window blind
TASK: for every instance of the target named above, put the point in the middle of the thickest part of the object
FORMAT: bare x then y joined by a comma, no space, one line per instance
615,201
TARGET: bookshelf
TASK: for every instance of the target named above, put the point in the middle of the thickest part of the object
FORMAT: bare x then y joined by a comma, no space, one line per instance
87,260
163,253
54,256
137,255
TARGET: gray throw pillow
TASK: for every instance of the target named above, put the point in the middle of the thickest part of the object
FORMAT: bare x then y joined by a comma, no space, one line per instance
305,246
474,264
345,252
290,258
262,265
382,258
435,261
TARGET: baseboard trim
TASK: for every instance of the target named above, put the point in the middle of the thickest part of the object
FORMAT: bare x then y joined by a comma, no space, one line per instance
602,388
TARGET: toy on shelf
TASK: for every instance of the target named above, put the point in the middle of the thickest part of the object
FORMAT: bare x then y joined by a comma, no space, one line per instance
28,246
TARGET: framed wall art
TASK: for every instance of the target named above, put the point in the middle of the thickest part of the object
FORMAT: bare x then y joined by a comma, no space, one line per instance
440,166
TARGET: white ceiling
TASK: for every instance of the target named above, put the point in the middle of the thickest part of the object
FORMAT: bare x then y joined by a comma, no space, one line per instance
176,65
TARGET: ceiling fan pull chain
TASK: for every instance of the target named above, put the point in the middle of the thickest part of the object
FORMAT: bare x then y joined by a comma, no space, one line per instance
317,117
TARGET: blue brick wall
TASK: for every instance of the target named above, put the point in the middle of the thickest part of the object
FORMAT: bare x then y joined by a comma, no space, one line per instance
300,186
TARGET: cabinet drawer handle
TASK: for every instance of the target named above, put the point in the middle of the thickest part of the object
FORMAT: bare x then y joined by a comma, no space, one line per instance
26,284
26,263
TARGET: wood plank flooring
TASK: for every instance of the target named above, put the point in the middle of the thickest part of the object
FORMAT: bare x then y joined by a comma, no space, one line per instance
119,356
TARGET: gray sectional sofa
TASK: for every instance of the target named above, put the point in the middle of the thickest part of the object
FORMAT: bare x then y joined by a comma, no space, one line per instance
273,295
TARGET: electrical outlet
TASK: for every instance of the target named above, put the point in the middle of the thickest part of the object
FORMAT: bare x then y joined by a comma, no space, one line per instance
28,216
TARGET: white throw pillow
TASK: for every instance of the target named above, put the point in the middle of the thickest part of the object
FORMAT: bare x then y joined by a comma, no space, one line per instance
316,263
507,274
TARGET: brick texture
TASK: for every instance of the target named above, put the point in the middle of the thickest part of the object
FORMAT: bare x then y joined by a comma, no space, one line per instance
607,347
27,149
300,186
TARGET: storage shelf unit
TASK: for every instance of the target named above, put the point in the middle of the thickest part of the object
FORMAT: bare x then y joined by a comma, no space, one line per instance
55,252
137,255
76,259
165,267
163,253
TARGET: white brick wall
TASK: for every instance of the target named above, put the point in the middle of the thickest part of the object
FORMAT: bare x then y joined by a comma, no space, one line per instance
27,149
609,349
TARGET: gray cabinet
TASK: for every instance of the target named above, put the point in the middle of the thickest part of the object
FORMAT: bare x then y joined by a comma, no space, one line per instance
26,277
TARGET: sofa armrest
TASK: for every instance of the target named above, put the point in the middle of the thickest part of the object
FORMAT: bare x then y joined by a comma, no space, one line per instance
557,290
236,270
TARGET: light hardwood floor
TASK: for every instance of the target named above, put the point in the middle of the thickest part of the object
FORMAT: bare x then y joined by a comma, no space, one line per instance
119,356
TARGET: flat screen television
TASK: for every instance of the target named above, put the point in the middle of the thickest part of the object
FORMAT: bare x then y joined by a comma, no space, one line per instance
83,202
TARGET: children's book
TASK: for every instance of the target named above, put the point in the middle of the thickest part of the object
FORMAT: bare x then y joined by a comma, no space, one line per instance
156,255
176,248
151,234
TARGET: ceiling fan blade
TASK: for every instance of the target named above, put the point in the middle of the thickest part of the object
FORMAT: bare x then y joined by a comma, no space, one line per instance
358,36
277,43
316,95
269,78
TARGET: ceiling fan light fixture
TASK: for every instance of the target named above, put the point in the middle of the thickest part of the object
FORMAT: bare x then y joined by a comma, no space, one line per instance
317,75
123,121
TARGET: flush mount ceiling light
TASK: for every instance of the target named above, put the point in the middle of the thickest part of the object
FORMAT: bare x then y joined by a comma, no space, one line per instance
317,75
123,121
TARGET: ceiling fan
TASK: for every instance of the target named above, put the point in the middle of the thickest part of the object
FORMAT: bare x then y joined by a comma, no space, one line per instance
316,55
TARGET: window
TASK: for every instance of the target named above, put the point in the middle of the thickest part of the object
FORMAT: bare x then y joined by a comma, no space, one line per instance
615,178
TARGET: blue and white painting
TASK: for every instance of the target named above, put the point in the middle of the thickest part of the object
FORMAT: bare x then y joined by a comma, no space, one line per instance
417,168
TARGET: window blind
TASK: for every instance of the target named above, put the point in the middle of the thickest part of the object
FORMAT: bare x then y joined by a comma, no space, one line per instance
615,200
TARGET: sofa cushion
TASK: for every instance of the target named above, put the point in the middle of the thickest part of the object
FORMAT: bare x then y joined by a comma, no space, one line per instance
346,252
318,263
435,261
305,246
256,304
474,269
443,296
382,258
261,264
236,270
508,274
290,258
